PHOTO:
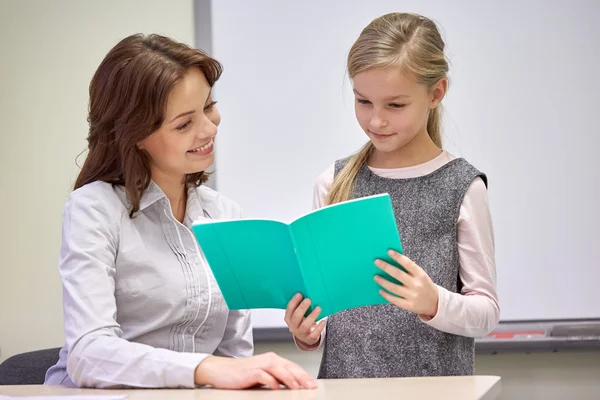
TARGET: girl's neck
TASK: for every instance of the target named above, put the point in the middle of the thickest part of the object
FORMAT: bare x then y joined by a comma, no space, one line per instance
418,151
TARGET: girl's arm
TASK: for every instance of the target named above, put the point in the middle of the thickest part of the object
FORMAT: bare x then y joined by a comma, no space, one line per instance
475,311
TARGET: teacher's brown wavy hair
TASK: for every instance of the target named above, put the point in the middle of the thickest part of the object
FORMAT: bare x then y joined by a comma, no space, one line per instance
128,99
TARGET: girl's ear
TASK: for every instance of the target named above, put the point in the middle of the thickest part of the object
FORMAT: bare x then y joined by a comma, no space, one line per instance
438,92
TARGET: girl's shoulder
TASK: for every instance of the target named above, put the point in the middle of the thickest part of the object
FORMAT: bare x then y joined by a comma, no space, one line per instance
322,186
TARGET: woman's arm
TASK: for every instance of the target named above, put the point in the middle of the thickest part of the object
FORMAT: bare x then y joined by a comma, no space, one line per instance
237,339
97,355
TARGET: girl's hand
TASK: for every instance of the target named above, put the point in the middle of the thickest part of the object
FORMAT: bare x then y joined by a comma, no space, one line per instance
417,293
306,330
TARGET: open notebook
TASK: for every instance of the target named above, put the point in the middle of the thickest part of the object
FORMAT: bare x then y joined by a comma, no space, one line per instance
327,255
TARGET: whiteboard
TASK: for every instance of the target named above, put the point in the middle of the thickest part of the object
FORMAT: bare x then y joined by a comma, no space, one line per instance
522,107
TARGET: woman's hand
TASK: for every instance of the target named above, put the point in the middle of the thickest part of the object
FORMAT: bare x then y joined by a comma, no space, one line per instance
305,329
417,293
240,373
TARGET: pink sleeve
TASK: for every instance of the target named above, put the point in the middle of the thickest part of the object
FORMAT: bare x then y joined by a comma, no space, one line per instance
322,186
316,346
475,311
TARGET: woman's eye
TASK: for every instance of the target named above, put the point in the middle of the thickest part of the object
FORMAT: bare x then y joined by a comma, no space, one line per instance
210,106
183,126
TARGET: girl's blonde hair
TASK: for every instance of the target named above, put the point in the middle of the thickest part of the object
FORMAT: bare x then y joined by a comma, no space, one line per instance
411,42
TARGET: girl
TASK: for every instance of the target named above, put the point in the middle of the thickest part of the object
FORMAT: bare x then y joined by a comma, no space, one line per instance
141,306
448,297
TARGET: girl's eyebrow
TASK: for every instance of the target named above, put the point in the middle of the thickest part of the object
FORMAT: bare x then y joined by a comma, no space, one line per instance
389,98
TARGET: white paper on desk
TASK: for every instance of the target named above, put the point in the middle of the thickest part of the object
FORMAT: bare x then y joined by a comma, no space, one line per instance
68,397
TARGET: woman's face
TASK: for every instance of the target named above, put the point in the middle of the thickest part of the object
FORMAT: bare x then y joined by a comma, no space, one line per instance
184,144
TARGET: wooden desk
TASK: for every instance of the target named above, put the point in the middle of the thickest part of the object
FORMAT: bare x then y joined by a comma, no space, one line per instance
447,388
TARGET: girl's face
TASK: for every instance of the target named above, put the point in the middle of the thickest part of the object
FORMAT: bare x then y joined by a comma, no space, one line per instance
392,107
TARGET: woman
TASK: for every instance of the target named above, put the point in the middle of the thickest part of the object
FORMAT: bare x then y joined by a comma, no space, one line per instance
141,306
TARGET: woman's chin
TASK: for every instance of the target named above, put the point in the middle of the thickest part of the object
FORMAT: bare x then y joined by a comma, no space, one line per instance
200,165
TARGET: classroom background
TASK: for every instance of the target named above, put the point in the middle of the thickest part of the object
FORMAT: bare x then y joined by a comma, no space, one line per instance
521,107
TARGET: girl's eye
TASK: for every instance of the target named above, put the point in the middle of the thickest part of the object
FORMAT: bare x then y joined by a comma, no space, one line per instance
362,101
395,105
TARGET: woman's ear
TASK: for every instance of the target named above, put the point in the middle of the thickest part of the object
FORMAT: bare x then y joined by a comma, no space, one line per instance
438,92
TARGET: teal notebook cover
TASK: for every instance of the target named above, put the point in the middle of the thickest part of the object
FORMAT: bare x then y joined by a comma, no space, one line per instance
327,255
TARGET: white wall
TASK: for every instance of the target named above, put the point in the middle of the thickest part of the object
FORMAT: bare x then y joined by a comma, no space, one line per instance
49,51
521,107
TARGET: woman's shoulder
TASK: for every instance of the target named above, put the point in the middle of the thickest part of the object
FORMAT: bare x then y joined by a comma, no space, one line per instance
93,188
218,205
98,196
